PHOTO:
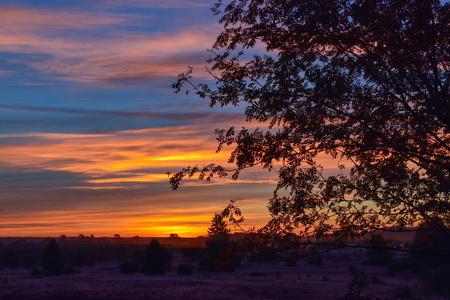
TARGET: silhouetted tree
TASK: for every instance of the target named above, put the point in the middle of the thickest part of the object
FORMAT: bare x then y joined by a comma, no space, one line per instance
362,82
220,253
218,227
156,259
52,262
431,244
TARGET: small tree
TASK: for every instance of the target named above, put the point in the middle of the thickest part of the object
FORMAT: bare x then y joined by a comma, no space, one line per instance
156,259
52,262
218,227
220,253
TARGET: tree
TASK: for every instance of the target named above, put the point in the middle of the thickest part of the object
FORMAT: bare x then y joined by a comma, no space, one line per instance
156,259
52,262
220,253
218,227
365,82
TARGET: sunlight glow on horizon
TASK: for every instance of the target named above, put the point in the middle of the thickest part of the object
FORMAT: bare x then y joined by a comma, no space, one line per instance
89,125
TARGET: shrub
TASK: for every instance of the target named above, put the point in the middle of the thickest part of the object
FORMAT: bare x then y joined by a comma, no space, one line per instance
70,270
156,259
129,267
257,274
194,253
266,255
315,260
376,280
437,280
379,257
220,255
184,270
291,259
52,262
404,264
36,273
355,287
432,244
10,258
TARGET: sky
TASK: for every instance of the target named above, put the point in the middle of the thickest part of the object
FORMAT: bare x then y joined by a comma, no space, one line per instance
89,124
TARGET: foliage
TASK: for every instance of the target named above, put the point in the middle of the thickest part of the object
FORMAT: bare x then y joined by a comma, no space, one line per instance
218,226
404,264
362,82
432,244
10,258
184,270
437,280
315,260
52,263
220,254
356,286
379,257
129,267
291,259
156,259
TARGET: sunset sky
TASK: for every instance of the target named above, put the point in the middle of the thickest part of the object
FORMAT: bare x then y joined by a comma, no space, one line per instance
89,123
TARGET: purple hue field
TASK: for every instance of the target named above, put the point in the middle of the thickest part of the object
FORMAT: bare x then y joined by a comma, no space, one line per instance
276,281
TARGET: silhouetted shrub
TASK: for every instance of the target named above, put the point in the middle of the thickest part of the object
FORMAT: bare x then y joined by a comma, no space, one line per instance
257,274
220,255
376,280
82,260
28,262
194,253
129,267
432,244
291,259
266,255
36,272
70,270
10,258
437,279
356,286
315,260
378,257
404,293
404,264
184,270
156,259
52,262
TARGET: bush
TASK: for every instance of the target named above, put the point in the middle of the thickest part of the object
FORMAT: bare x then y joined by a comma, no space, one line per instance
405,264
70,270
129,267
184,270
220,255
266,255
315,260
379,257
257,274
36,273
52,262
432,245
437,280
10,258
156,259
291,259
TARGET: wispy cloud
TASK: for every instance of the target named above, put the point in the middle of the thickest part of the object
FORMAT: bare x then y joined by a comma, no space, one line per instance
218,117
19,19
116,55
158,3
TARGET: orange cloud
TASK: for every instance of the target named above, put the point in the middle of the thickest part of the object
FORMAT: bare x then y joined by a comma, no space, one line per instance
117,56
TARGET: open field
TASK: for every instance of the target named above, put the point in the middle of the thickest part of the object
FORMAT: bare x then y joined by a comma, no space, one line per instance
268,280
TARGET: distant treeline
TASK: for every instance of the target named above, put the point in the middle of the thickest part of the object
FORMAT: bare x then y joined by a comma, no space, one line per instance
83,250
